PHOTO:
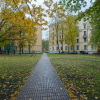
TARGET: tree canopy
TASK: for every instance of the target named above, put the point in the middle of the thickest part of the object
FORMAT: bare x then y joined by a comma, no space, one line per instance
71,31
15,27
92,14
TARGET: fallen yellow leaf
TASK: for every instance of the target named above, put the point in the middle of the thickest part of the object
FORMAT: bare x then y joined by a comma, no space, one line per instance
96,97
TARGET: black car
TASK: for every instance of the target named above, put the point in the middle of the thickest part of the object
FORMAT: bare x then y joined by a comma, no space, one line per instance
83,52
73,52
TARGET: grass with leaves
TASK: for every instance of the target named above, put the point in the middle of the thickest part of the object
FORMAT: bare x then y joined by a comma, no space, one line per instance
80,74
14,71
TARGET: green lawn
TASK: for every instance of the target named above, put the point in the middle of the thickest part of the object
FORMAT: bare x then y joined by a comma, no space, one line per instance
79,73
14,71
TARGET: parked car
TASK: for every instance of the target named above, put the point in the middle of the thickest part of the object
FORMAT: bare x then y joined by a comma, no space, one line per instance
47,52
73,52
83,52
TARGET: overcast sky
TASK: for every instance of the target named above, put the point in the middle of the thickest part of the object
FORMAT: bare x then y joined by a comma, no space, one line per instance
40,2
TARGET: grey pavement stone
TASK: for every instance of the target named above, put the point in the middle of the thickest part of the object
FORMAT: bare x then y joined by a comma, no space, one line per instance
43,83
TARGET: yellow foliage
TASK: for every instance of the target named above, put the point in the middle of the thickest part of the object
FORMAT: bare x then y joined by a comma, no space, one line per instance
22,2
13,21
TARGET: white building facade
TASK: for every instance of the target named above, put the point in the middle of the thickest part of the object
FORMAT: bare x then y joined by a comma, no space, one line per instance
82,39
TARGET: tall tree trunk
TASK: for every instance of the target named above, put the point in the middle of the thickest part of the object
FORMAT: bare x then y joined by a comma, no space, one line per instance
19,50
62,48
14,52
20,43
68,48
58,48
0,48
8,52
57,36
29,47
73,50
62,39
22,50
29,51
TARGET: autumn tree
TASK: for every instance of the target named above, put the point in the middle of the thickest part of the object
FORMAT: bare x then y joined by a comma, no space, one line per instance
54,34
45,45
71,31
92,14
56,12
62,30
15,26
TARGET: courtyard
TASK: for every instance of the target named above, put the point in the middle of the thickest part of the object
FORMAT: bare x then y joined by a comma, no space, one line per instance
80,74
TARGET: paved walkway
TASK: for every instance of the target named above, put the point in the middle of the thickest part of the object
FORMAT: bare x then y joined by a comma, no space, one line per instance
43,83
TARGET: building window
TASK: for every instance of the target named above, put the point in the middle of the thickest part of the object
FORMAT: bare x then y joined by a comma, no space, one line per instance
65,47
85,47
53,43
53,38
84,26
60,36
84,32
61,47
77,47
84,39
77,40
56,48
71,48
77,35
92,48
52,48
